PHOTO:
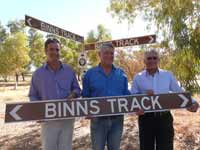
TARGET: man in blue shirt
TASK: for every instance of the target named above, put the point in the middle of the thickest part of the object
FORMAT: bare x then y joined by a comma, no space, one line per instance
156,130
105,80
54,80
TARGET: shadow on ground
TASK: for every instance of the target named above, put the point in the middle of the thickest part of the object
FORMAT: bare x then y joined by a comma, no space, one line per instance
31,140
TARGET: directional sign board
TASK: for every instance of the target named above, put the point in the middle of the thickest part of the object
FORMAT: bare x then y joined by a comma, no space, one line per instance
98,106
124,42
43,26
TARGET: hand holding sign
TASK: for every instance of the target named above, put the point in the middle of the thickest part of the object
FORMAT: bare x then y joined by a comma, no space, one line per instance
194,107
150,92
141,112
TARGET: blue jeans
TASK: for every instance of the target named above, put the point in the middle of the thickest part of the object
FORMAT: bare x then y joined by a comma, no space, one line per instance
106,130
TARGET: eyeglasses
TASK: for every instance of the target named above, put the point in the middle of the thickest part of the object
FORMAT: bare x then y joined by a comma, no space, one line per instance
152,58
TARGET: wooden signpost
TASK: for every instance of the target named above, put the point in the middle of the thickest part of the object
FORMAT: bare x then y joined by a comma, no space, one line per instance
148,39
46,27
93,107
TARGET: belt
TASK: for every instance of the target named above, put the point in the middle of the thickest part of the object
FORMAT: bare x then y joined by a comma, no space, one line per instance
110,117
157,114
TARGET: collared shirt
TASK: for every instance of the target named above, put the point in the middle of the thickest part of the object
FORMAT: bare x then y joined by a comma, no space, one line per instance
97,84
161,82
47,84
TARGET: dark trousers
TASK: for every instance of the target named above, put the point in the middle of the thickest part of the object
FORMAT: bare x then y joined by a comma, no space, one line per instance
156,131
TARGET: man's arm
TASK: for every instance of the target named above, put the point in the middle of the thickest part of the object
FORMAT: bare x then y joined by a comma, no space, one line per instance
174,86
33,91
126,90
134,86
135,90
75,88
86,86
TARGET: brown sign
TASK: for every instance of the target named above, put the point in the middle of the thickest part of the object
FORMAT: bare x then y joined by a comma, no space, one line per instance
43,26
124,42
99,106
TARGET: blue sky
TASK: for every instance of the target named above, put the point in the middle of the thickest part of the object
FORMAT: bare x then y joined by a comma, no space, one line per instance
78,16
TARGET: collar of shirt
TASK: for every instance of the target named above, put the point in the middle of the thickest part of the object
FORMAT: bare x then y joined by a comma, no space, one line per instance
100,69
46,66
147,73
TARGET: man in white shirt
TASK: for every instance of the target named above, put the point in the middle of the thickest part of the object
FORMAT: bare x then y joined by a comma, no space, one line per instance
156,130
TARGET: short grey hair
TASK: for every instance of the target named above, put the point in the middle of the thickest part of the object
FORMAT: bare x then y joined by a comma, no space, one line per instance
151,51
105,45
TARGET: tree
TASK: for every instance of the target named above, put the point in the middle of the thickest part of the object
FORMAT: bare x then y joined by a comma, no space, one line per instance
184,65
16,26
102,34
37,53
131,62
14,55
177,20
4,69
69,53
3,36
3,33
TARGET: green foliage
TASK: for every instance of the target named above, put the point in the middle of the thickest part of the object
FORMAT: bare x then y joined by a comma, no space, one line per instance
178,21
102,34
16,26
131,62
37,53
186,66
14,54
3,33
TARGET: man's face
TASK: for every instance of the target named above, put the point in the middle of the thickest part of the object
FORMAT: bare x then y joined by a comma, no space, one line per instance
107,56
151,61
52,52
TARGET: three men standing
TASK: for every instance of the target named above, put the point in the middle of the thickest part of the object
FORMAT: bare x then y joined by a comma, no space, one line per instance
55,80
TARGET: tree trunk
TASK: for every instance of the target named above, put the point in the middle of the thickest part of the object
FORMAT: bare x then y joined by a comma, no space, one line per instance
5,78
17,79
23,77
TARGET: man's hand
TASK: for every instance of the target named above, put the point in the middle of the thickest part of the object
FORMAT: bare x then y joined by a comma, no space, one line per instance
140,112
40,121
149,92
88,118
194,107
72,95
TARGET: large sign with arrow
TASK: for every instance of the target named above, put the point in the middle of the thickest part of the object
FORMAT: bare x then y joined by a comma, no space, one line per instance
124,42
93,107
46,27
